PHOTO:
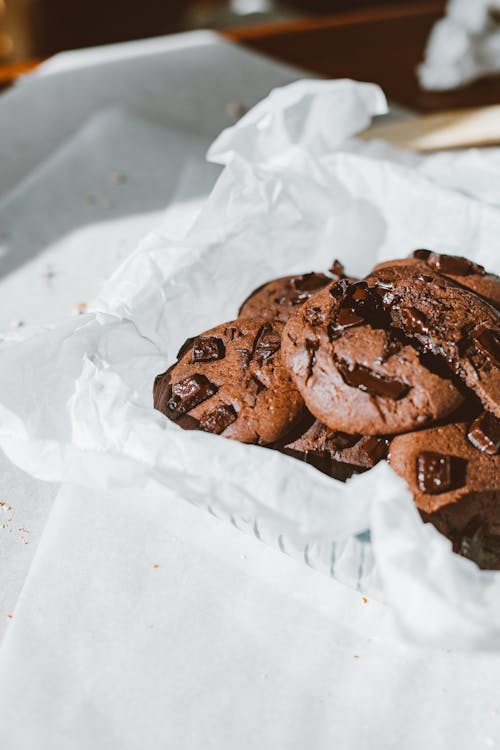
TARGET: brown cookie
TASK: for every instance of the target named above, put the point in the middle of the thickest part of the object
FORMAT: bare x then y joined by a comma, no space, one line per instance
230,381
460,270
441,318
278,299
356,378
453,472
336,453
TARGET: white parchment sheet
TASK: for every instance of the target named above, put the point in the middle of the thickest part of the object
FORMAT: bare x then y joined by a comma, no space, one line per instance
76,399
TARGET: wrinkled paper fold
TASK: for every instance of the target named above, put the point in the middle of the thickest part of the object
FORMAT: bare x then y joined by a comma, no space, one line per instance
297,191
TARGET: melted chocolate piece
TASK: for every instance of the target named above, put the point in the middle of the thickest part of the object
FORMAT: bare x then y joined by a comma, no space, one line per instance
187,345
188,393
455,265
414,321
484,433
337,269
308,282
208,349
421,254
245,358
438,473
346,318
376,448
267,342
314,316
217,420
187,422
487,341
372,382
339,441
339,289
311,348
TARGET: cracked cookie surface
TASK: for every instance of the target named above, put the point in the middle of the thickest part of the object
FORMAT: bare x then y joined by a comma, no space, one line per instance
358,378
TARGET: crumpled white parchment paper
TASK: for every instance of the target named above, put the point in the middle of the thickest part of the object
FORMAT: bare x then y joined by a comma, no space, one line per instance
76,399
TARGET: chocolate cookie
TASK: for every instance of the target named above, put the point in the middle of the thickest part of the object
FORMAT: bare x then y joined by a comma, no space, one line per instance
443,319
278,299
336,453
356,378
453,472
230,381
460,270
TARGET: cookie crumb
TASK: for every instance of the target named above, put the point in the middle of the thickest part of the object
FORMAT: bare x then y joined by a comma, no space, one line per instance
80,308
119,178
155,565
364,599
9,617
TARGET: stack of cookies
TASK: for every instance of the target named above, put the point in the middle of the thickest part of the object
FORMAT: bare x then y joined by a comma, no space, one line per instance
341,373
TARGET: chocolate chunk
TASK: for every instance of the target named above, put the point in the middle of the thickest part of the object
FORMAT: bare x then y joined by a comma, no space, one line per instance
308,282
454,265
245,358
311,348
337,269
339,289
339,441
314,316
188,393
208,349
267,341
414,321
375,448
421,254
438,473
217,420
371,382
187,345
346,318
484,433
487,341
187,422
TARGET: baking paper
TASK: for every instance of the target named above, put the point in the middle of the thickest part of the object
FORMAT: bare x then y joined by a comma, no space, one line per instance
89,419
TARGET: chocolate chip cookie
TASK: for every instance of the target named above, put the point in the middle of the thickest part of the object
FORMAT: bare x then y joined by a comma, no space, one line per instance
443,319
336,453
453,472
357,378
278,299
230,381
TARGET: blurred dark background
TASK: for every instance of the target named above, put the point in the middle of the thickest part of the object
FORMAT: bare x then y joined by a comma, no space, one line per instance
39,28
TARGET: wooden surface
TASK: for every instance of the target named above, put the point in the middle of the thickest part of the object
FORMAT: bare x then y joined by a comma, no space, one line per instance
435,131
381,44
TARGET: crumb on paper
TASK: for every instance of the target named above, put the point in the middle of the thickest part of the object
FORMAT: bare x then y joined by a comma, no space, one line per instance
9,617
49,274
80,308
235,110
364,600
119,178
155,565
25,531
355,656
